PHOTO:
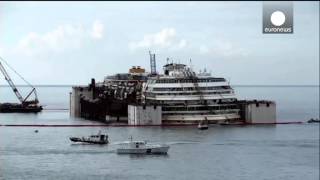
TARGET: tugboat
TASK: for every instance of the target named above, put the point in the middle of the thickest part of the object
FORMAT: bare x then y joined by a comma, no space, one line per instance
203,124
141,147
93,139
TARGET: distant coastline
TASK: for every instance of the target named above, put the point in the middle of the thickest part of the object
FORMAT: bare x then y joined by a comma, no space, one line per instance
276,85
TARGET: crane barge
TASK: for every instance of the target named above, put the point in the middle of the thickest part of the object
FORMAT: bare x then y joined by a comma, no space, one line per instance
25,105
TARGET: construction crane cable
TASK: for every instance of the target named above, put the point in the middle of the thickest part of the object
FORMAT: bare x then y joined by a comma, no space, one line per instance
15,72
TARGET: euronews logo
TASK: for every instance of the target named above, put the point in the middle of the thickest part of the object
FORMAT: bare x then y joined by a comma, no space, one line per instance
277,17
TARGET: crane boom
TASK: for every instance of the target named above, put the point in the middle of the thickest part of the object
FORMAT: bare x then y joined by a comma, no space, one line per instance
31,106
10,82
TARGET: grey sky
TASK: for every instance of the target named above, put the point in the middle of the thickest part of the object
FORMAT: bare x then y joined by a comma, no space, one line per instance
71,42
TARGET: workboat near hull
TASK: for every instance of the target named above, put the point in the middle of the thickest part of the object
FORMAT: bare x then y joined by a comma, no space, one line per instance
203,127
203,124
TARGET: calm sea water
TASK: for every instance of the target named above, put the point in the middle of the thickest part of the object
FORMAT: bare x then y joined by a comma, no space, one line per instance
222,152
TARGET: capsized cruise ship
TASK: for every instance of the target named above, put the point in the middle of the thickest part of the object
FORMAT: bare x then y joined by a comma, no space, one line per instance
179,95
188,97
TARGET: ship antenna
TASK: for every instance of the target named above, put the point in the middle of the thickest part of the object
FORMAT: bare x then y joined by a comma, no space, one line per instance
190,64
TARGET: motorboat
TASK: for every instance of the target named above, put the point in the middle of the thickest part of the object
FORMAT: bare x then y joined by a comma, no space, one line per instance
93,139
142,147
203,124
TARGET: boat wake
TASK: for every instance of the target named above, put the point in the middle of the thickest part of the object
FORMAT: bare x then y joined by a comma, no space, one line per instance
58,152
182,142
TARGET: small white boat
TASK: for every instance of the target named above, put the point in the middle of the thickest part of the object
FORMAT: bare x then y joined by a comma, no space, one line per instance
203,124
93,139
141,147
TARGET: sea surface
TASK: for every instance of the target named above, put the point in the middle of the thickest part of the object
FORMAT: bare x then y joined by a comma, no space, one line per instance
283,151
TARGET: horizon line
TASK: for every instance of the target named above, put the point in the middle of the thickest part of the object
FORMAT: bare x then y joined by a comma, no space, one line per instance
244,85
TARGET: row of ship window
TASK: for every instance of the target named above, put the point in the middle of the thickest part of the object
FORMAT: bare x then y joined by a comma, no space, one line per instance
193,102
198,108
194,93
192,88
190,80
211,112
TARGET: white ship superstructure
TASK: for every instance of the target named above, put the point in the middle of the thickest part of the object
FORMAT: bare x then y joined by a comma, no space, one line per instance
187,97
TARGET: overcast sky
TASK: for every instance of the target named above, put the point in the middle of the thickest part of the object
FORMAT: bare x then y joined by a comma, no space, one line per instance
72,42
